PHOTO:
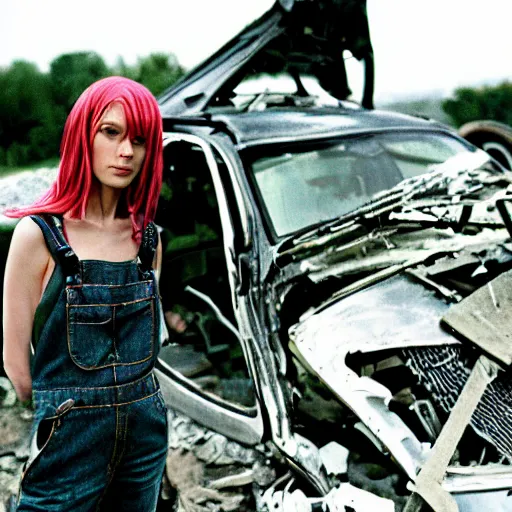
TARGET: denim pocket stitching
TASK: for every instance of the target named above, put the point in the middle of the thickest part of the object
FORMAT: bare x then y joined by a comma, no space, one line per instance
115,304
93,323
76,359
93,285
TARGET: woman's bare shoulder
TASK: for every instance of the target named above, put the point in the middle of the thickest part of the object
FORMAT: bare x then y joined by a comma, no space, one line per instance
28,258
28,231
28,239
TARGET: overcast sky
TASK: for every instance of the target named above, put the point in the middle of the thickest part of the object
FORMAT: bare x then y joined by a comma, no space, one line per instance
419,45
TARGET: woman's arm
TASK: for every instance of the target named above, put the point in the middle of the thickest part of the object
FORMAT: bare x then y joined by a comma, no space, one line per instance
25,270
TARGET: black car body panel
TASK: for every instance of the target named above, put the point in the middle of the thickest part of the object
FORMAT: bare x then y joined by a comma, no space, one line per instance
281,124
295,37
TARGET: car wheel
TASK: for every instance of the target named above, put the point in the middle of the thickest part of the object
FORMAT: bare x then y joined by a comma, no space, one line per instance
493,137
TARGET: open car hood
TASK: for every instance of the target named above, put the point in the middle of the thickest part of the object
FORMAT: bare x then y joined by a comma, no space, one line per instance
296,37
374,319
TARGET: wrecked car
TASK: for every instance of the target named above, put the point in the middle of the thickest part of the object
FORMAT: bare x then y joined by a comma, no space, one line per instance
345,276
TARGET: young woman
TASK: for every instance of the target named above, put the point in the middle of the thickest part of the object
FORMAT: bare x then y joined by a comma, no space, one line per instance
80,294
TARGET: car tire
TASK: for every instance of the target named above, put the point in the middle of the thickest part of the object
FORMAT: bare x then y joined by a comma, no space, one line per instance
493,137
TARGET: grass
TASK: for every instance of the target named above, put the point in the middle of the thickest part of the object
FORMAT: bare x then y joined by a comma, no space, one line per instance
7,171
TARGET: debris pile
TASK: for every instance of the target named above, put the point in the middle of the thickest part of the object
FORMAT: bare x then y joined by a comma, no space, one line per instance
205,471
211,473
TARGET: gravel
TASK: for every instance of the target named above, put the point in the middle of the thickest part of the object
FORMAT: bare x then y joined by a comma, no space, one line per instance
24,188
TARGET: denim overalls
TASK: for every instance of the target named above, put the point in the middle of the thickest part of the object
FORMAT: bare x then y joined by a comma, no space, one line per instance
99,438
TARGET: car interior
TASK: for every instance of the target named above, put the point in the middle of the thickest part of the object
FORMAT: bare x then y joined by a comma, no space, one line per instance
194,282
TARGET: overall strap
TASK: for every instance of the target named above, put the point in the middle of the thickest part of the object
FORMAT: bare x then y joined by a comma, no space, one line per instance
147,248
53,233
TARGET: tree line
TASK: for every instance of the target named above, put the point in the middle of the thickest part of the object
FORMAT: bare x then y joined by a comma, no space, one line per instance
34,105
488,102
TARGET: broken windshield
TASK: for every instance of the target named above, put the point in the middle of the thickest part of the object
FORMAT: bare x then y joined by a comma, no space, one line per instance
304,185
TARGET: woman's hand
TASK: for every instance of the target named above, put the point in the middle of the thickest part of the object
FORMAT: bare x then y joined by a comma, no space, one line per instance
22,383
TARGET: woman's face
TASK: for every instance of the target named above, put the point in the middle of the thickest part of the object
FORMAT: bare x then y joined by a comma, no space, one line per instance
116,159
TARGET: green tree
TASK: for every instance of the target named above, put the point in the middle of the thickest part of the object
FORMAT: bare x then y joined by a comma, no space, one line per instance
70,75
34,105
158,71
120,68
25,109
491,102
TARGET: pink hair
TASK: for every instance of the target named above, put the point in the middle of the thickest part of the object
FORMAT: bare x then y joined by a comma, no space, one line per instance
70,191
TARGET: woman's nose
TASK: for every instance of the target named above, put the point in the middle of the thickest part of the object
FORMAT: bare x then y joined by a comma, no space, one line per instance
126,148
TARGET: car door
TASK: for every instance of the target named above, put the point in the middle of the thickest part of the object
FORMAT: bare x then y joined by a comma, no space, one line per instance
206,372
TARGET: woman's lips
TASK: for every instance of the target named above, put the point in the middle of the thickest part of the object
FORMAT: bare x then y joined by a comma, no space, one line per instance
122,171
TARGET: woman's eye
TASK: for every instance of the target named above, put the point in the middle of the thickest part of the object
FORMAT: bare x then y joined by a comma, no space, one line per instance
139,141
111,132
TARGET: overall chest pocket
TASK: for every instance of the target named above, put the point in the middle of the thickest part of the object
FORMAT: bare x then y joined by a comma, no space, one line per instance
102,335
